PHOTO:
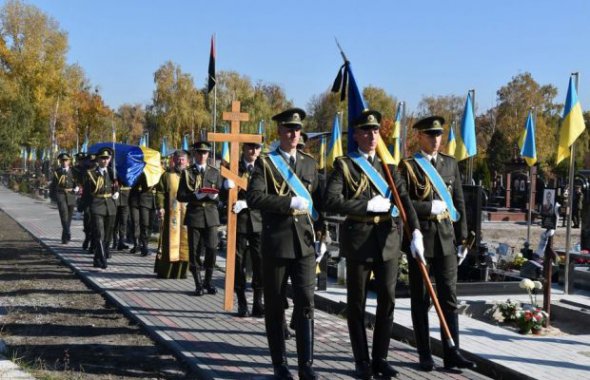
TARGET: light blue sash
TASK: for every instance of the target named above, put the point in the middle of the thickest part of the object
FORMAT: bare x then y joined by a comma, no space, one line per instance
292,180
438,183
374,177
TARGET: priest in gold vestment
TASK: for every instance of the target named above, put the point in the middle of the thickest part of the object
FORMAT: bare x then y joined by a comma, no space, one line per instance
172,256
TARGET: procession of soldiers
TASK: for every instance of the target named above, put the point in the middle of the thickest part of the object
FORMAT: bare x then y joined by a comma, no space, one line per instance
415,208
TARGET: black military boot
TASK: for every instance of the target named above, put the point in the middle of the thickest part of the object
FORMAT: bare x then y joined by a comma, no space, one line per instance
198,286
121,245
242,304
63,237
135,245
281,371
304,335
451,355
145,251
207,283
100,259
426,363
85,243
278,351
257,305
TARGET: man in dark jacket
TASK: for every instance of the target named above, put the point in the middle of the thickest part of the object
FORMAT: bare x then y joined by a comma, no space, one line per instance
370,240
64,187
434,184
199,188
284,187
142,203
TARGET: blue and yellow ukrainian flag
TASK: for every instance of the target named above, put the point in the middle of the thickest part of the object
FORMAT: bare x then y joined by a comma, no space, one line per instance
335,144
396,135
451,146
466,141
572,125
142,141
346,84
528,149
225,148
261,131
185,143
164,147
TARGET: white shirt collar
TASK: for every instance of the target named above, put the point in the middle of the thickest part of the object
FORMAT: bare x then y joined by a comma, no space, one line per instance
430,157
365,155
287,156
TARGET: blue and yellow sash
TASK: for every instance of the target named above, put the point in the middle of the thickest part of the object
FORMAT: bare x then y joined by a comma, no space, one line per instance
374,177
292,180
438,183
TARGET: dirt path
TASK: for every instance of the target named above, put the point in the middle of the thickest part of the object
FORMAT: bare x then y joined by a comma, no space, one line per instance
57,328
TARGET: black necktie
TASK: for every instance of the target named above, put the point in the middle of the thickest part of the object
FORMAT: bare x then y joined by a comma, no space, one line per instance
250,168
292,162
433,162
371,160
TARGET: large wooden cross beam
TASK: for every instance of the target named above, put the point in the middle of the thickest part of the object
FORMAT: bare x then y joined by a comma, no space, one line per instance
234,138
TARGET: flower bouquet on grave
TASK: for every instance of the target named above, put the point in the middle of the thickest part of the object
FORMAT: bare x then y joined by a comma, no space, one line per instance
505,311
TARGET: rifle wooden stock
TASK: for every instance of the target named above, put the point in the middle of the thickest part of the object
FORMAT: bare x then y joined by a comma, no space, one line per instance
425,277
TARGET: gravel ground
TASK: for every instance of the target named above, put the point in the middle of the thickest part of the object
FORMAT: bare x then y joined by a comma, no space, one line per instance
57,328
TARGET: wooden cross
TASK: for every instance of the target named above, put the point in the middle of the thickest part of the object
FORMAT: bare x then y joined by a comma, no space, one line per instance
234,138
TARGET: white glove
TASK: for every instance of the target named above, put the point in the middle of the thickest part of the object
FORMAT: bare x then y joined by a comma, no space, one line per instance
116,196
239,206
378,204
200,195
213,196
76,189
438,207
161,213
417,246
550,233
299,203
228,184
462,253
320,251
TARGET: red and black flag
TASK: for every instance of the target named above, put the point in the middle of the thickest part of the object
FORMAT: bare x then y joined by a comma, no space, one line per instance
212,80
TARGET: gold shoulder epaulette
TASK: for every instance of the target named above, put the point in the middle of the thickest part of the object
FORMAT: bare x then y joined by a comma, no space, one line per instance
306,154
446,155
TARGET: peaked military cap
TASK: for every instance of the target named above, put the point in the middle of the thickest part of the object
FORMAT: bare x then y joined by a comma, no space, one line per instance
432,123
81,155
202,146
64,156
181,152
367,119
104,152
290,118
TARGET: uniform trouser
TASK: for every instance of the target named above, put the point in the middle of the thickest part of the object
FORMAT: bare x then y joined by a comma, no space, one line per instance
102,232
357,280
120,228
141,225
248,242
444,269
576,217
65,215
302,274
197,238
87,222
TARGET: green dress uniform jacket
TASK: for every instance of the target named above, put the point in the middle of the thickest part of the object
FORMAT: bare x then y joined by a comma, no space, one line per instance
268,193
200,213
63,184
100,188
249,219
348,194
445,230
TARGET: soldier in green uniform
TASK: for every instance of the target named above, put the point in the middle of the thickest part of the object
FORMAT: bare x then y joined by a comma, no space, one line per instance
434,184
370,240
172,260
249,235
122,218
85,162
64,187
100,187
284,187
199,188
142,203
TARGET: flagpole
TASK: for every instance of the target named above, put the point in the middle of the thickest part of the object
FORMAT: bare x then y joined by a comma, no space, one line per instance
570,202
469,178
530,213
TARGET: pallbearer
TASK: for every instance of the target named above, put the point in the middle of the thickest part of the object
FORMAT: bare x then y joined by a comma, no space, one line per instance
172,258
370,240
434,184
284,187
